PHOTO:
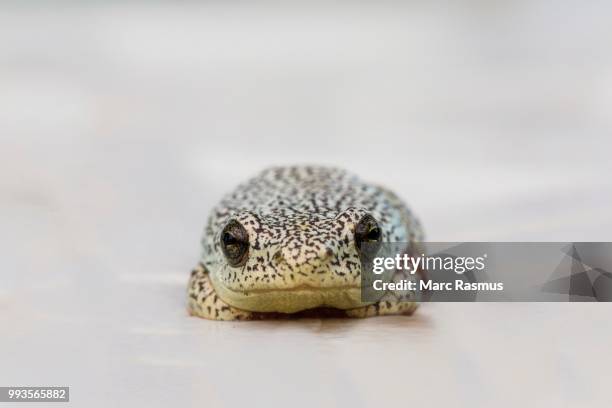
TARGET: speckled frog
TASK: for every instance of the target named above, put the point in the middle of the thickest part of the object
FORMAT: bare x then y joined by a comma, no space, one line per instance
288,243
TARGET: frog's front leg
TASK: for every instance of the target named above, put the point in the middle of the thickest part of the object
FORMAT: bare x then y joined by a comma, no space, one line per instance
203,300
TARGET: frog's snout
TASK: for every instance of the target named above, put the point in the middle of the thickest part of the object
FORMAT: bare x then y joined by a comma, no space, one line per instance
295,258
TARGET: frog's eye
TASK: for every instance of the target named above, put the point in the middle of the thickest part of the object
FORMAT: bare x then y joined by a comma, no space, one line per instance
368,236
235,243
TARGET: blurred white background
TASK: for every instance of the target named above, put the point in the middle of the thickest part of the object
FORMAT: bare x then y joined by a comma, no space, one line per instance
121,125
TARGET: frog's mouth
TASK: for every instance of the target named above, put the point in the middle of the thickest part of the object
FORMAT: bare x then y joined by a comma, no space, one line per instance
291,300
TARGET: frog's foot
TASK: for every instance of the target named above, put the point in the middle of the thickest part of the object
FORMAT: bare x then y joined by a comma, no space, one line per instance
389,305
204,302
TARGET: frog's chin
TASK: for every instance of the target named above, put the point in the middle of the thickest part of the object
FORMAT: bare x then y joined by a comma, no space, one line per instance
291,300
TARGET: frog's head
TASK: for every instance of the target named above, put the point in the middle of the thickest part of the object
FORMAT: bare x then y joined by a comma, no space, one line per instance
294,260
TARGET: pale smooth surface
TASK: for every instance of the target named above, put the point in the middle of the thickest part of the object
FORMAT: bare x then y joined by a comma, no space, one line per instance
121,126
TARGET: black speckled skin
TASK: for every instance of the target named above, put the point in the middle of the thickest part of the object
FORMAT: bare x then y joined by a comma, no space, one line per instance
302,255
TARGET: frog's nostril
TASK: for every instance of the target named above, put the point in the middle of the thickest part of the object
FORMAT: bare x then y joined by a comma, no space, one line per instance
300,256
328,253
278,257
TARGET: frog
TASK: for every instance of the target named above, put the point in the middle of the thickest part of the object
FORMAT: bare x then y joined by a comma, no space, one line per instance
289,243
